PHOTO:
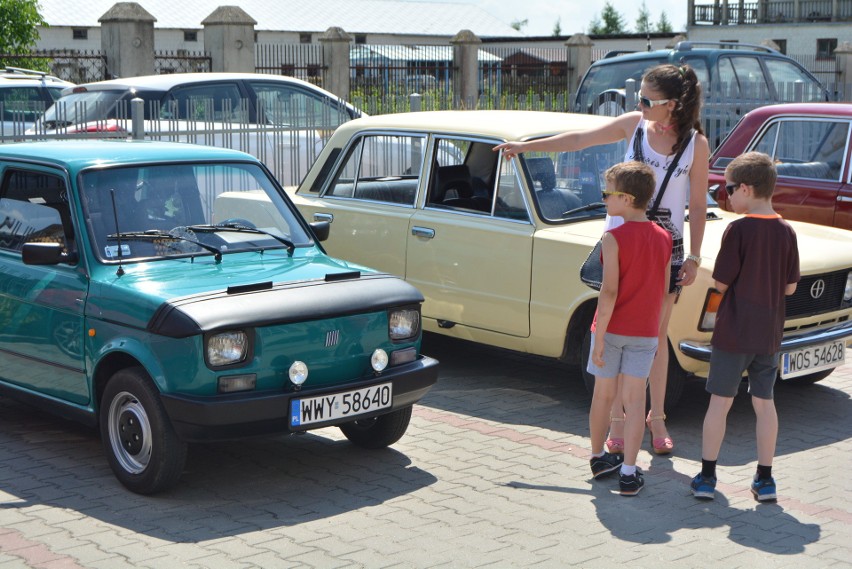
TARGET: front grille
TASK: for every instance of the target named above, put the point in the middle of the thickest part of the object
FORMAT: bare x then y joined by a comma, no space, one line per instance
801,303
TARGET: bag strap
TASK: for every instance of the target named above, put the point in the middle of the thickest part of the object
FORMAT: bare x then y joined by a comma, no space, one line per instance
653,211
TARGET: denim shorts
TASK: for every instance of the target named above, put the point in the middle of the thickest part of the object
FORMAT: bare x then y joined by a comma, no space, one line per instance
630,355
726,373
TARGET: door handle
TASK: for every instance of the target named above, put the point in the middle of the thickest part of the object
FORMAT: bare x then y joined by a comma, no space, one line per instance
423,232
323,217
844,199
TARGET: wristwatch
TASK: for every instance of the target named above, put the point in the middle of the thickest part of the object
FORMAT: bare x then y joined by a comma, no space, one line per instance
695,259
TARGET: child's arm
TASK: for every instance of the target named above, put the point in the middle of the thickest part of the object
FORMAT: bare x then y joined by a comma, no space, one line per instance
721,287
790,289
609,292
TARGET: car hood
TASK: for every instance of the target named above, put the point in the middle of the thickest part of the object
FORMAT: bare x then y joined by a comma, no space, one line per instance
179,298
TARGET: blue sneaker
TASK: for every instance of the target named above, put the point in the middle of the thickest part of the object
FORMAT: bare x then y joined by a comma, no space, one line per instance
606,464
704,488
764,489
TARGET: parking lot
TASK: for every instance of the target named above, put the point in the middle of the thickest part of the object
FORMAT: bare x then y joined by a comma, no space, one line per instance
493,472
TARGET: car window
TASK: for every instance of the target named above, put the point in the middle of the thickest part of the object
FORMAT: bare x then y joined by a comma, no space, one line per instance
784,75
510,196
218,102
728,85
383,168
700,66
749,75
34,209
802,148
463,176
22,103
286,105
85,106
601,78
156,211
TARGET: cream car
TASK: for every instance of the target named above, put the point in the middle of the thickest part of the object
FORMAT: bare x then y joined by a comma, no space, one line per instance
496,245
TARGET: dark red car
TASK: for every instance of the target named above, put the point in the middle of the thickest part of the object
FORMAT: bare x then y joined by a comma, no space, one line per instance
810,143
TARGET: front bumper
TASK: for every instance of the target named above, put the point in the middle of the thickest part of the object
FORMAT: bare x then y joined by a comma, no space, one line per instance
246,414
701,351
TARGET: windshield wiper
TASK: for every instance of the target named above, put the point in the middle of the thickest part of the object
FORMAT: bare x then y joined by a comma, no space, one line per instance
587,207
152,234
55,124
241,228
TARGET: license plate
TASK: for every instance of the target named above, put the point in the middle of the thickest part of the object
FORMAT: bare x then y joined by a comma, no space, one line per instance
813,359
340,405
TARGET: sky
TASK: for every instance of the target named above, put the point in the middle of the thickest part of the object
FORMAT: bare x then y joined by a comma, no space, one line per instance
575,15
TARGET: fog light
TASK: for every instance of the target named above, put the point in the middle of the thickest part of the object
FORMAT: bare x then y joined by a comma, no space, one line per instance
298,372
231,383
379,360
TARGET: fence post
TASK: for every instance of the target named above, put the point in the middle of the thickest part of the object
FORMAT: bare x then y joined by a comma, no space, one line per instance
630,95
127,40
579,56
416,100
335,61
843,55
798,90
137,119
465,69
229,39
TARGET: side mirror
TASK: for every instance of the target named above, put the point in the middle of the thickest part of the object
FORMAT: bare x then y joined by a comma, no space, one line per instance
321,229
46,254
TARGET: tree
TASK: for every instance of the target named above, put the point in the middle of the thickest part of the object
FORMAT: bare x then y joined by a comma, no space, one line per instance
19,21
643,22
664,26
519,24
610,22
557,27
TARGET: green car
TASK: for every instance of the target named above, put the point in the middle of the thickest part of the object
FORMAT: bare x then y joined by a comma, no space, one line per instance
170,293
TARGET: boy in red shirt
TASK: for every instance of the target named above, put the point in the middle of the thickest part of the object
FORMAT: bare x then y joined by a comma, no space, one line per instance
757,268
636,267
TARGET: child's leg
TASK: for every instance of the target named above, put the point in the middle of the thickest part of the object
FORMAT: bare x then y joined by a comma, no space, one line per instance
766,429
602,397
715,422
633,400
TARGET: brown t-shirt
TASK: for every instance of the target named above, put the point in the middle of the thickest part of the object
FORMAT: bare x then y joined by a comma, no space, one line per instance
758,258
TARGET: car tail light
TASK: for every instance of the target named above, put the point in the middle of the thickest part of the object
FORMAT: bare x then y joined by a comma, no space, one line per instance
708,313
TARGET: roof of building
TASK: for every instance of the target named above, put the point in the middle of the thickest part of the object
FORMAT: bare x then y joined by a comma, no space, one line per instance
398,17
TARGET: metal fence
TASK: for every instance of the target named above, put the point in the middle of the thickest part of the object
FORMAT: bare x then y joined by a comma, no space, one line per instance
71,65
302,61
181,61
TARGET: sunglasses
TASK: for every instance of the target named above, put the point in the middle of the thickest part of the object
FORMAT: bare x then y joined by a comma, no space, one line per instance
605,195
731,188
646,102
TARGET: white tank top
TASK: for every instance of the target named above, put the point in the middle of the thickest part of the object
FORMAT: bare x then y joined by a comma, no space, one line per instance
676,196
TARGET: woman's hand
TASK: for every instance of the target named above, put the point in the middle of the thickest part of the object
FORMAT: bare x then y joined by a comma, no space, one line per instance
688,272
510,149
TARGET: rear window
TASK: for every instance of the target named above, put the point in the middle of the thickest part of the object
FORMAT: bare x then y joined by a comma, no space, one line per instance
607,76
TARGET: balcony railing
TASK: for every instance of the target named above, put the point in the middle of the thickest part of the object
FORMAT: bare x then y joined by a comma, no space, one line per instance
771,12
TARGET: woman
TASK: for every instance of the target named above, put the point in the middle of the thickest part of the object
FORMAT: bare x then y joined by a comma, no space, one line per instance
667,120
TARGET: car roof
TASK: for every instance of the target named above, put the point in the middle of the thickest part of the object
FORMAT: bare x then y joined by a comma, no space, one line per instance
698,48
75,155
167,81
29,78
506,125
802,109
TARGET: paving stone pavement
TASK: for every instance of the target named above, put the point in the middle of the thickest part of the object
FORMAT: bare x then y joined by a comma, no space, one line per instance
493,472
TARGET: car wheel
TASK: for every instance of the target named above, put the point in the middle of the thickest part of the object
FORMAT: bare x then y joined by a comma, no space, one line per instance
810,378
378,432
141,446
609,104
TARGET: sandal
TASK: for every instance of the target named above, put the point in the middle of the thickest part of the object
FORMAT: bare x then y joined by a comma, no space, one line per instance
661,445
615,445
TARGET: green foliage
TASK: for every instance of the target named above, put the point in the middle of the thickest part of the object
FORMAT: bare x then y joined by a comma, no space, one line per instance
643,22
557,27
19,20
663,25
519,24
610,22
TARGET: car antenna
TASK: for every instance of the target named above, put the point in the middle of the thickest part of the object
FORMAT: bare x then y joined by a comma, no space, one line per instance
120,270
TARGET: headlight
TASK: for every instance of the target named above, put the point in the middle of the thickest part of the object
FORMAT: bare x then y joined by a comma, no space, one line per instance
711,306
403,323
227,348
847,292
379,360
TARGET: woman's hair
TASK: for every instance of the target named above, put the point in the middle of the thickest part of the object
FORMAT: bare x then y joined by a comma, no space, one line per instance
679,83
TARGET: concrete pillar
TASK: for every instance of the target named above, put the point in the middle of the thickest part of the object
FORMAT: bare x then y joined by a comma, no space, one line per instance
465,69
579,56
724,12
690,13
127,40
229,39
761,11
335,61
835,10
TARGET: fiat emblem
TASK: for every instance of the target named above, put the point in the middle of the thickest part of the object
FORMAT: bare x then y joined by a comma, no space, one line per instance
817,288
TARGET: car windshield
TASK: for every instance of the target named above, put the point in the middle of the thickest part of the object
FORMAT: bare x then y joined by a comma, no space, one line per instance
84,107
602,78
567,186
168,210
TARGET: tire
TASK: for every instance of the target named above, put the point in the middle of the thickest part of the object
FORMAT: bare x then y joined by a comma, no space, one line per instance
141,446
675,380
808,379
378,432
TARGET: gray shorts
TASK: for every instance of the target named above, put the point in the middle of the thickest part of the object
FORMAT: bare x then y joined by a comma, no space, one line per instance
726,373
630,355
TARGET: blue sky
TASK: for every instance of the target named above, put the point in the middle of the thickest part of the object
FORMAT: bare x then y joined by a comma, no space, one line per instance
575,15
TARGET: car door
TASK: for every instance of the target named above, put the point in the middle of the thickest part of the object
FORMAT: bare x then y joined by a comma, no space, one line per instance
370,198
469,248
41,346
810,155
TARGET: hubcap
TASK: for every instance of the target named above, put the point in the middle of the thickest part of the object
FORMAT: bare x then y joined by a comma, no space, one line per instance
129,433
